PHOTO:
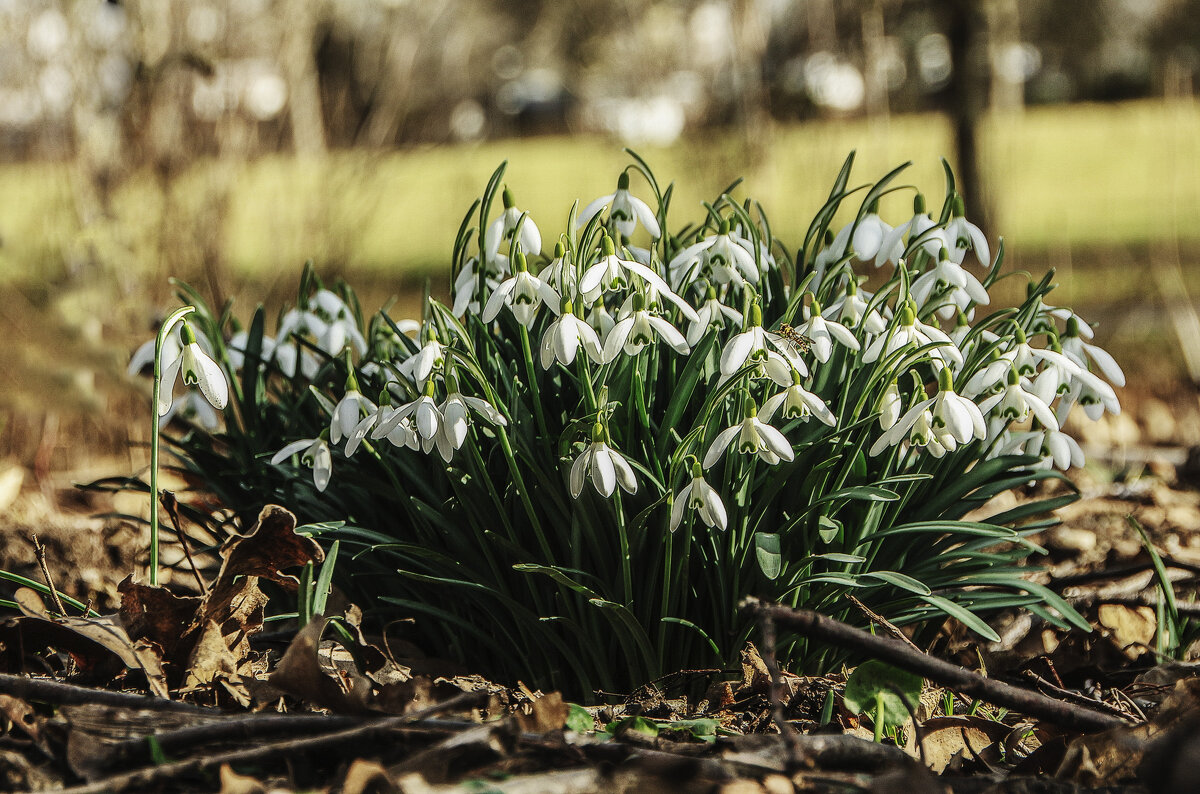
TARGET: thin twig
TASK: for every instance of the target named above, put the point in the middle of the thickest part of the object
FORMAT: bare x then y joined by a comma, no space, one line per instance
767,627
56,692
880,620
951,676
143,779
1066,694
1097,599
171,504
1060,583
40,551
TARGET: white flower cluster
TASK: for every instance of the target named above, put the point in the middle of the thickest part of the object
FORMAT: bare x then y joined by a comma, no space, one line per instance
599,301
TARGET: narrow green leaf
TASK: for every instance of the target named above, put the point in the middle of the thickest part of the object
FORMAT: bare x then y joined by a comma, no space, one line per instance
767,550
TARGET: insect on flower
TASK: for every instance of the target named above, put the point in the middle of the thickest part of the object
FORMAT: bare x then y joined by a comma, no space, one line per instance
799,341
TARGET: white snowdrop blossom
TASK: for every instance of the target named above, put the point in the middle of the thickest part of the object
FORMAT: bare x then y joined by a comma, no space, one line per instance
711,312
852,309
564,337
624,210
962,235
724,258
948,280
869,234
466,284
502,230
348,413
1017,401
611,273
911,333
314,453
754,437
701,497
456,410
823,332
197,369
238,345
421,364
1079,351
192,405
776,356
523,294
919,228
939,423
889,406
1054,447
797,403
638,330
608,468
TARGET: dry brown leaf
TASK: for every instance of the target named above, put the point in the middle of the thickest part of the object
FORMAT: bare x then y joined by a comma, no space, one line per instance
1131,628
299,674
157,614
106,631
367,777
943,738
233,783
22,715
268,549
547,713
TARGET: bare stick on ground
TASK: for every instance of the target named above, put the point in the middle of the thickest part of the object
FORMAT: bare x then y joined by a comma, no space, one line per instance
951,676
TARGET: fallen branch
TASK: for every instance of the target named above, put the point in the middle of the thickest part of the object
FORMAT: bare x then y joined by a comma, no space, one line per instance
56,692
143,779
951,676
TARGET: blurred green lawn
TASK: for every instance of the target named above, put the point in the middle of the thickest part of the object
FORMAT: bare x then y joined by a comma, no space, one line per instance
1061,178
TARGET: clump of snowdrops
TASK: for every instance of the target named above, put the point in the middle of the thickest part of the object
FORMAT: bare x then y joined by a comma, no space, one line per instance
624,423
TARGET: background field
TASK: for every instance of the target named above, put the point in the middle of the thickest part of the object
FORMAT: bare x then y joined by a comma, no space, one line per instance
1109,195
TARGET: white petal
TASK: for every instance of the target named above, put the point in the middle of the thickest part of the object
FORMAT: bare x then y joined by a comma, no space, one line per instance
578,471
291,449
719,444
624,472
166,388
591,209
775,441
604,475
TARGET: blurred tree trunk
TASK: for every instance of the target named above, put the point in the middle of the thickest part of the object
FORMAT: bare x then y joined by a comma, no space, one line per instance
299,63
966,29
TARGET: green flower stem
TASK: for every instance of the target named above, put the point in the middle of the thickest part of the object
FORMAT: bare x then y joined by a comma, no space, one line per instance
623,533
166,328
523,492
531,373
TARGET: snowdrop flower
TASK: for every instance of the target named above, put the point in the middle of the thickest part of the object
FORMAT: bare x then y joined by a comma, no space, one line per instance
608,468
919,228
523,294
400,433
194,406
638,330
754,437
601,319
1054,447
427,416
727,257
834,251
939,423
314,452
865,235
172,347
564,336
911,333
455,410
1094,395
751,347
349,412
822,332
889,406
467,282
698,495
625,211
851,309
1080,351
197,369
560,273
611,274
1016,402
290,357
948,278
964,235
711,313
501,230
421,364
797,403
237,347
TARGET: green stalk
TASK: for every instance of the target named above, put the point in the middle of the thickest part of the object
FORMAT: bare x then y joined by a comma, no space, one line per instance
166,328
